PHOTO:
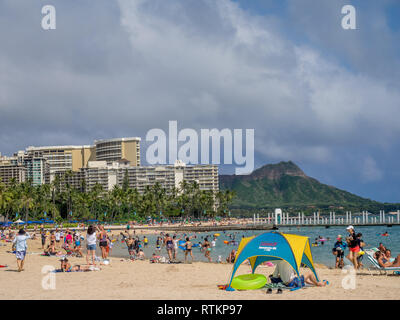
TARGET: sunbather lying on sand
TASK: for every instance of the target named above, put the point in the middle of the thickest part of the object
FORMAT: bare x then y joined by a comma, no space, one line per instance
66,267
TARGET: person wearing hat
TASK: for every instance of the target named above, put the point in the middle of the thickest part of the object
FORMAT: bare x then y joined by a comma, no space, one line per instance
338,251
354,246
19,243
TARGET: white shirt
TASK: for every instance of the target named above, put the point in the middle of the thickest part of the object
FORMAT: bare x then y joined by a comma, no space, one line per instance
175,243
284,271
91,238
58,235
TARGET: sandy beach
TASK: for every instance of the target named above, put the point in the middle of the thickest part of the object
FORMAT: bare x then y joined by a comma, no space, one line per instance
123,279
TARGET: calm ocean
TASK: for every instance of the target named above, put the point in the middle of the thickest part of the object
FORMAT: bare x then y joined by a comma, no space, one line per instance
321,254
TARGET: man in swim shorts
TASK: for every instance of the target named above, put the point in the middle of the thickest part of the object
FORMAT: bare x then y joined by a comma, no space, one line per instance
338,251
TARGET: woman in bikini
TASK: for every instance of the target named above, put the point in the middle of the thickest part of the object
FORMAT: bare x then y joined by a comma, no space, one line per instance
130,244
385,260
207,249
66,267
188,246
169,244
103,242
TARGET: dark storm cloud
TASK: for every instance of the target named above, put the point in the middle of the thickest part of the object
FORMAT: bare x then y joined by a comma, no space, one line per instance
120,68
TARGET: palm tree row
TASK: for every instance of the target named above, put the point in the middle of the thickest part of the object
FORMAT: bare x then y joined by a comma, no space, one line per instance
49,201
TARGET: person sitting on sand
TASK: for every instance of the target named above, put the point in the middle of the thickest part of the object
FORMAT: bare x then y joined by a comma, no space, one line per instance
141,255
284,273
50,250
231,257
155,258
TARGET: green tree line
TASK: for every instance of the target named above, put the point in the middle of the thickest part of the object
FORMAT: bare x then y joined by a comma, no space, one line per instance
48,201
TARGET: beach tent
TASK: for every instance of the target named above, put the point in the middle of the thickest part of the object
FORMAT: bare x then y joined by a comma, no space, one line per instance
274,246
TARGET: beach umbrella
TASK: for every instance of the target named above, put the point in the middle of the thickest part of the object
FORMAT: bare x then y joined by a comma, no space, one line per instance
19,221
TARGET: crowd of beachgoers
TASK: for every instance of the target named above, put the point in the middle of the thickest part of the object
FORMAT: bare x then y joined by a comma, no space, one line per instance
67,242
83,241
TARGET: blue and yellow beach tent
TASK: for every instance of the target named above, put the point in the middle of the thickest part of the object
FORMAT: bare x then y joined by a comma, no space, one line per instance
273,246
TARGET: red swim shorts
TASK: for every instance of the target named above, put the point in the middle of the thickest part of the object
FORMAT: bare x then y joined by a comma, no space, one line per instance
355,249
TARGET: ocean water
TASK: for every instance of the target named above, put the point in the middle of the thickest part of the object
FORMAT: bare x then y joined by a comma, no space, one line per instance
321,254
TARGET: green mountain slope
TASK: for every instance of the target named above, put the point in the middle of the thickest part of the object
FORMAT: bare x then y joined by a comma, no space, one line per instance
285,185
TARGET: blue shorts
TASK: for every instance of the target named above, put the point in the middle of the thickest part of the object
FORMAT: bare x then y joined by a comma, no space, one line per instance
20,255
91,247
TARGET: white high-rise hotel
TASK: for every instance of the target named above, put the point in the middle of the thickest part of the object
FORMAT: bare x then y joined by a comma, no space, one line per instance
107,163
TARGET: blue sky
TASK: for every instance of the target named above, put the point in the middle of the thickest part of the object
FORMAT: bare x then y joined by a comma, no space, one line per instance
326,98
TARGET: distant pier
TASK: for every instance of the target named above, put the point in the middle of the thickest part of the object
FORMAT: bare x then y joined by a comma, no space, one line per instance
279,219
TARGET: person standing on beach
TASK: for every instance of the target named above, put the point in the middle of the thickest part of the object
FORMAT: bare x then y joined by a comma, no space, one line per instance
131,250
354,246
103,242
338,251
58,236
207,249
19,243
91,244
169,244
188,248
158,244
43,236
175,241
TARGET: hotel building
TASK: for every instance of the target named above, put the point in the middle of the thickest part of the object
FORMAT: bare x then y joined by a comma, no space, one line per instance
118,149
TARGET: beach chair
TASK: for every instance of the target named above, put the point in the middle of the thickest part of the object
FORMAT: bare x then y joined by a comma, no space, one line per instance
375,265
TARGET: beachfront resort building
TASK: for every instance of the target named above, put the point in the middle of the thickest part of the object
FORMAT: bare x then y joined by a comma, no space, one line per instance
109,175
118,149
10,169
108,163
62,158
